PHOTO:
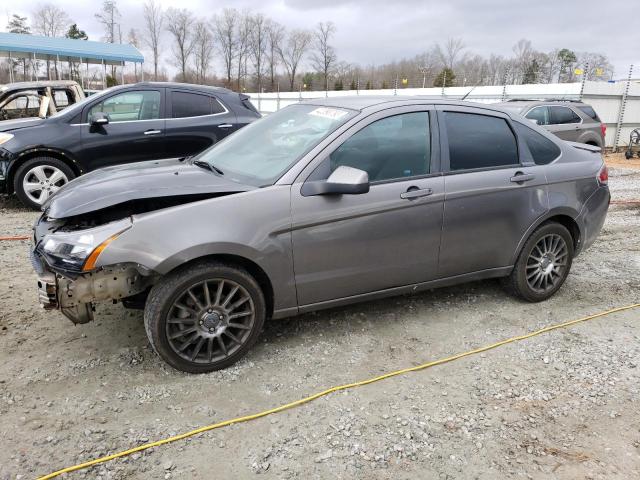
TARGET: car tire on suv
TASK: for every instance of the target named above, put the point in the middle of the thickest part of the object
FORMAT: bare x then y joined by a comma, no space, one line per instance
543,264
205,316
38,178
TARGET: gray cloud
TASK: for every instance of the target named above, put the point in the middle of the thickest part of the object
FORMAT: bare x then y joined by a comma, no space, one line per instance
378,31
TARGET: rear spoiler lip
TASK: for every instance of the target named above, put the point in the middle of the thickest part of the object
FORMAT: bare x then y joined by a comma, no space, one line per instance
584,146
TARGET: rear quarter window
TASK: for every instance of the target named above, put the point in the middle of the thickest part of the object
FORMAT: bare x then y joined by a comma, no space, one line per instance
542,149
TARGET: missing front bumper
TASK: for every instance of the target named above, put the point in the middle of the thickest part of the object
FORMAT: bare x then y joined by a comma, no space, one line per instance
75,298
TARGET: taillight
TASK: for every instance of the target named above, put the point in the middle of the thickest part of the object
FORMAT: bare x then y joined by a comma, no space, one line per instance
603,129
603,175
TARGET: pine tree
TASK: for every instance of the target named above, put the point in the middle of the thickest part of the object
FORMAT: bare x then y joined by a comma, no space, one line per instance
446,78
75,33
18,24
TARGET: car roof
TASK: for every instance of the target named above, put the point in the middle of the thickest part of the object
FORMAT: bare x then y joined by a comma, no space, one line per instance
43,83
184,86
362,102
523,103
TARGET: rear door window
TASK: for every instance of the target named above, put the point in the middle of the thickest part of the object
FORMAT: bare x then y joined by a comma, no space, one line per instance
187,104
542,149
479,141
562,115
539,115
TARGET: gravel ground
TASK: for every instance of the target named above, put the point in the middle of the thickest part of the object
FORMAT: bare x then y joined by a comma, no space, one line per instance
562,405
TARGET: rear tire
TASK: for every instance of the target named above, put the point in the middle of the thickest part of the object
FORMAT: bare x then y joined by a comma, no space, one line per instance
205,316
38,178
543,264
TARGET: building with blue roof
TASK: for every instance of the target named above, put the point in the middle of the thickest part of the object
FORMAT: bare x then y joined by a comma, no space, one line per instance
56,49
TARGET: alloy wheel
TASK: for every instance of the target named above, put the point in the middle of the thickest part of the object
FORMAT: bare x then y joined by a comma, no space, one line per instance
547,263
210,321
42,181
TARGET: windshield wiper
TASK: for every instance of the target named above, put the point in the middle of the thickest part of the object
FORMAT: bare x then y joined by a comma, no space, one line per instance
207,165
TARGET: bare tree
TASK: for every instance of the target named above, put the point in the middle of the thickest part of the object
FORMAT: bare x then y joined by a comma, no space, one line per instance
243,37
292,51
180,25
203,50
154,19
108,17
258,46
324,57
449,52
50,21
225,32
275,37
524,55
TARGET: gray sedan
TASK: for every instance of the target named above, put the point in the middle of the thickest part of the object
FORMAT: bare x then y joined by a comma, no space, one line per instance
321,204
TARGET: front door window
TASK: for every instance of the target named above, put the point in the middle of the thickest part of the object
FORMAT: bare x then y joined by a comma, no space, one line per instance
130,106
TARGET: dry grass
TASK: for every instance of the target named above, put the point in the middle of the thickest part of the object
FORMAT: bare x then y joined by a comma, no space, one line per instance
618,160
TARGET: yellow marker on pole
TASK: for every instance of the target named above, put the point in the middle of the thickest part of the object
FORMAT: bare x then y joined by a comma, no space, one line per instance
578,71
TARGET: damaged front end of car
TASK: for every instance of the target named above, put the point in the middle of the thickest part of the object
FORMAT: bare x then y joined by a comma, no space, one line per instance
88,214
64,257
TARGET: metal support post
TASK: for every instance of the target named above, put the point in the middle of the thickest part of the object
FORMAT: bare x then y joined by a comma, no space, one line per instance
623,105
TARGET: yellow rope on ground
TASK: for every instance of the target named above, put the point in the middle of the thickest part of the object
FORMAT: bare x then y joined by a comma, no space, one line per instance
315,396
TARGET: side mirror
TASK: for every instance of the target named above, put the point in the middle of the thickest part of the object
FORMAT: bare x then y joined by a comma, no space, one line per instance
99,118
534,120
344,180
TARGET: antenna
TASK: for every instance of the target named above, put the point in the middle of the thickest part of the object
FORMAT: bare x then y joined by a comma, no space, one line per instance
467,94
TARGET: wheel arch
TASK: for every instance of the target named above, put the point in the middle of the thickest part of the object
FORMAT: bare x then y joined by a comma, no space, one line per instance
565,217
255,270
590,138
41,152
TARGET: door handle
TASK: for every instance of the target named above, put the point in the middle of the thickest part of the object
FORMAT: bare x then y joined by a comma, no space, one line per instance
415,192
520,177
225,125
152,132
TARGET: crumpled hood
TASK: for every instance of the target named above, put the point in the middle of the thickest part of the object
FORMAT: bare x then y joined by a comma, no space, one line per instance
154,179
8,125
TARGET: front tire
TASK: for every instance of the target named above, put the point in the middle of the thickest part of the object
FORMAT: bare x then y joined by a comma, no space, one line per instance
39,178
543,264
204,317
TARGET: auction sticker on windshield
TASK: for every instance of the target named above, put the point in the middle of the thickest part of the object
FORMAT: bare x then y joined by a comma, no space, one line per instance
331,113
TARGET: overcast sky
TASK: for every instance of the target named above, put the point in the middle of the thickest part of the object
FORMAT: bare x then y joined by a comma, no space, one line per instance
379,31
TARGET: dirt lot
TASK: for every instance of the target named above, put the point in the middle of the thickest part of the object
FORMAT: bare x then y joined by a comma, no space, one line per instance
563,405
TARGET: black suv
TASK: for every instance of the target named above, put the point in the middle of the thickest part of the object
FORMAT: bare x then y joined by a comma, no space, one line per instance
131,123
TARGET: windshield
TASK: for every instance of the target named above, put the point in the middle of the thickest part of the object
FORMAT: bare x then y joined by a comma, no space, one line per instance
263,151
76,107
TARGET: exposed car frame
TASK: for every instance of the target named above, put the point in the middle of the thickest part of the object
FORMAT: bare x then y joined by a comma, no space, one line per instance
47,91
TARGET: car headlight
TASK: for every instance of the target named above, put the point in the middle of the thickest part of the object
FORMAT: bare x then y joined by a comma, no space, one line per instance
82,248
5,137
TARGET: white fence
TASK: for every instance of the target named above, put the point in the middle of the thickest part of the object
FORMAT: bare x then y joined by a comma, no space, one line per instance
608,99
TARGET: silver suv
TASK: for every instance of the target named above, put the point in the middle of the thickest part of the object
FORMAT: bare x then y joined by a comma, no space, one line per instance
319,205
569,120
